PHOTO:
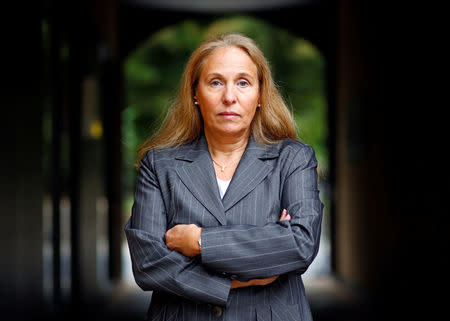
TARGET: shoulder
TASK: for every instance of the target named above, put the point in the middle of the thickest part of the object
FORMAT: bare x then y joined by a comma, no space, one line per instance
291,148
293,145
294,154
161,153
155,156
167,156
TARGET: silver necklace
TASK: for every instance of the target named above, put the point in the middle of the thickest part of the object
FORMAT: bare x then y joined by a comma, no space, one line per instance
222,167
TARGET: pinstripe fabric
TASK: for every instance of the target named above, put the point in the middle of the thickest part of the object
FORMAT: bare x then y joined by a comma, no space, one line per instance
241,235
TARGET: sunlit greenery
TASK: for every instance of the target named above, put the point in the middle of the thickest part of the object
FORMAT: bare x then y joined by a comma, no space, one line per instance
153,71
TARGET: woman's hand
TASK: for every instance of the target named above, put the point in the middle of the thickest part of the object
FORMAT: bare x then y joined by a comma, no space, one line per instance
285,216
238,284
184,238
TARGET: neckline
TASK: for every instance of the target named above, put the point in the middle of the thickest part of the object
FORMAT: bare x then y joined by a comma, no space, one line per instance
222,180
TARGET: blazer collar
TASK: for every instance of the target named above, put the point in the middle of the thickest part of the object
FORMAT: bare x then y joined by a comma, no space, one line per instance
251,171
197,173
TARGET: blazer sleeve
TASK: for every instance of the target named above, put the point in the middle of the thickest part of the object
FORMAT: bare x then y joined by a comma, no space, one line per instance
247,252
154,266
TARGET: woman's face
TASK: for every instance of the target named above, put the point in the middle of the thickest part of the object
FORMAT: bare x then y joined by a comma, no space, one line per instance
228,92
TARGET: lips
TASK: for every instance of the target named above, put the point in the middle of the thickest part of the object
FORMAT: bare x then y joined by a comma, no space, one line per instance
228,114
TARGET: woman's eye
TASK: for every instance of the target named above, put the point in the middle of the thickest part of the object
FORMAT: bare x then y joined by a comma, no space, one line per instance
215,83
243,83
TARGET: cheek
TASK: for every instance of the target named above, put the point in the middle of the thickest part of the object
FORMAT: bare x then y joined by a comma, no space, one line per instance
250,107
208,103
251,115
206,109
250,99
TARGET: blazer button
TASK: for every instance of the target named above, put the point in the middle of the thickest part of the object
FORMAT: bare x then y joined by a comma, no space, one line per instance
217,311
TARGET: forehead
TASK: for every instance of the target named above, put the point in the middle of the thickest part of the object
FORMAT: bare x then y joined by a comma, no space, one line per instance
229,60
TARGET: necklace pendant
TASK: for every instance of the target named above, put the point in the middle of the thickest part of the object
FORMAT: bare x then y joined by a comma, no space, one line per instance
223,168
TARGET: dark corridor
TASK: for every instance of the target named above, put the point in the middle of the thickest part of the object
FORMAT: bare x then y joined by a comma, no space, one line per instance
64,75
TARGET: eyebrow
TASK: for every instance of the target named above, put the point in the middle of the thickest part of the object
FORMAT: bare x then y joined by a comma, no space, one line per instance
239,75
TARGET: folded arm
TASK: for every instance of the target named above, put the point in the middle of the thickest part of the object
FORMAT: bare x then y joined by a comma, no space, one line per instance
248,252
184,238
155,267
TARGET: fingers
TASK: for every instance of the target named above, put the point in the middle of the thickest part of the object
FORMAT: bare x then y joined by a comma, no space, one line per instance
254,282
169,237
285,216
174,236
183,238
265,281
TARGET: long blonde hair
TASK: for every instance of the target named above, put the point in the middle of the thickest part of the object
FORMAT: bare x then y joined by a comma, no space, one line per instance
183,123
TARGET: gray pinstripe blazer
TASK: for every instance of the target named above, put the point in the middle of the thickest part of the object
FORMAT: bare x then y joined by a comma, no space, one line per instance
242,237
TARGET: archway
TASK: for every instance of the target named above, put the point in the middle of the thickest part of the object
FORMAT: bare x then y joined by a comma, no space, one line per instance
151,77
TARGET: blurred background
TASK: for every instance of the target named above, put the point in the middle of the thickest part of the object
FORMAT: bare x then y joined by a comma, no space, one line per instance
88,81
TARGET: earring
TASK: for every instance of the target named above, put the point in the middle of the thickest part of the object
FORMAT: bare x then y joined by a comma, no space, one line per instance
259,105
195,102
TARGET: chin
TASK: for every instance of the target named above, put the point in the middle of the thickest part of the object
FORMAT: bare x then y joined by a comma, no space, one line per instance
233,131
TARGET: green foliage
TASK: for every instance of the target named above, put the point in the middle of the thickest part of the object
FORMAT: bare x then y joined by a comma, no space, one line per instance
153,72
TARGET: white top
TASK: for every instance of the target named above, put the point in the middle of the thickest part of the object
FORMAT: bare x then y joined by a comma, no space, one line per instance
223,185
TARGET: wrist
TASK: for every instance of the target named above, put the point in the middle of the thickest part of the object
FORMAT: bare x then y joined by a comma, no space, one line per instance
199,241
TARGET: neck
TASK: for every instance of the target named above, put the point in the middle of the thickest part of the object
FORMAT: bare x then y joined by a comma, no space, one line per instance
226,147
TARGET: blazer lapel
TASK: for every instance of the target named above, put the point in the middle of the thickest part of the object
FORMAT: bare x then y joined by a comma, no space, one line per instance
197,174
251,171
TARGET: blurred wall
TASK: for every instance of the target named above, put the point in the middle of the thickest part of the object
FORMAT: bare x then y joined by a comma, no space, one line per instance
391,212
21,163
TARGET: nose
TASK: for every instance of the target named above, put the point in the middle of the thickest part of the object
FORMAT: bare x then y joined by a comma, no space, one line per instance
229,96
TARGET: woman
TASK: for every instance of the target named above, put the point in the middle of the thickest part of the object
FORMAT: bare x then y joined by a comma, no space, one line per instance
227,214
